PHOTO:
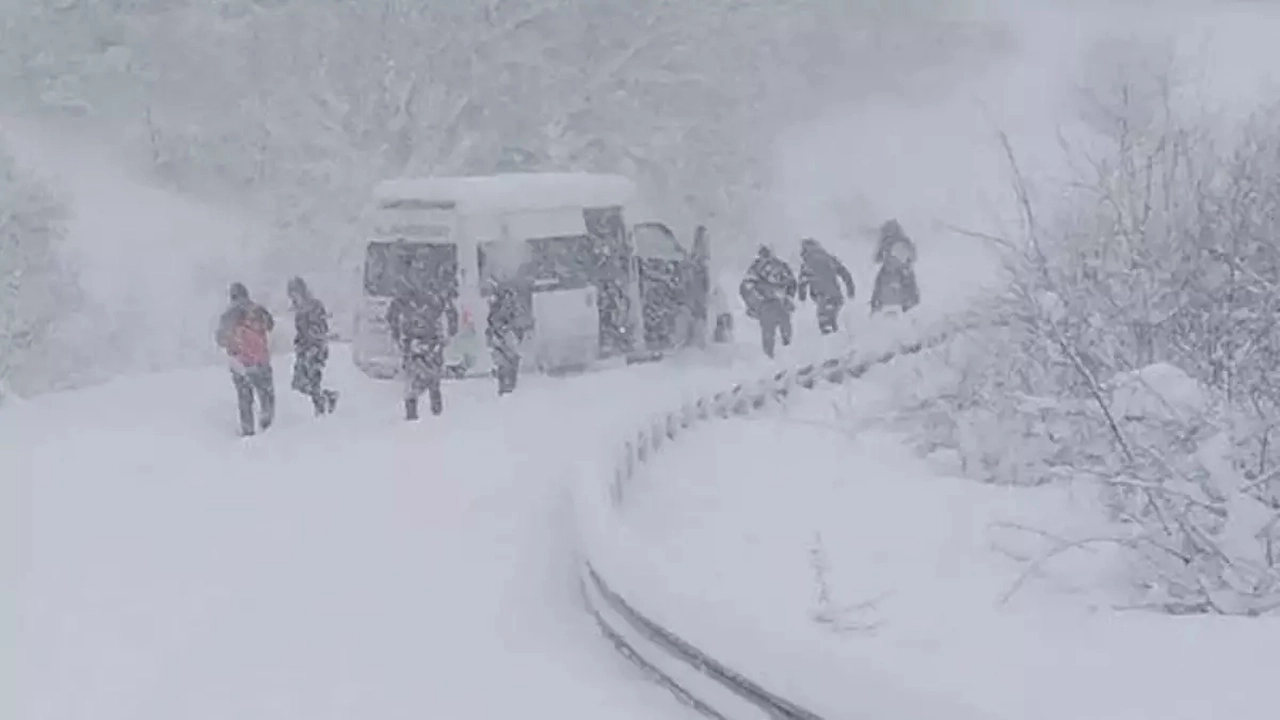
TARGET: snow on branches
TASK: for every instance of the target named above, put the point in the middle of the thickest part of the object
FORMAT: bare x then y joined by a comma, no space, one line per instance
1144,355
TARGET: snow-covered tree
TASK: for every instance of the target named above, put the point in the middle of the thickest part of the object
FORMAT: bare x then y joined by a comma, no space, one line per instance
293,110
35,289
301,106
1143,322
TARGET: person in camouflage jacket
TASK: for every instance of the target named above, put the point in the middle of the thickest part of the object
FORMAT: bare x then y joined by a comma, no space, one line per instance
415,317
821,277
310,346
768,291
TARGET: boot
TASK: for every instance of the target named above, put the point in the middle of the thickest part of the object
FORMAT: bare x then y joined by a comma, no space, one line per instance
411,408
331,398
437,401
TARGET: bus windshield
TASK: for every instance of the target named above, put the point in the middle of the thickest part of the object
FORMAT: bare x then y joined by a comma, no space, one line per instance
388,265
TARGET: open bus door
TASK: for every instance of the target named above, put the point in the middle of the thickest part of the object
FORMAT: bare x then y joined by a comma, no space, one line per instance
698,286
674,287
611,271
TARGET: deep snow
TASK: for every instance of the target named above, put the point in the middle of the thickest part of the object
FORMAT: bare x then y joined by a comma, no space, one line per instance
920,576
334,567
357,566
353,565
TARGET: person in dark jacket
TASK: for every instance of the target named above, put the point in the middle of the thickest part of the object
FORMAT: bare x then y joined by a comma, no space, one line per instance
821,275
504,332
310,346
414,317
243,332
768,291
896,280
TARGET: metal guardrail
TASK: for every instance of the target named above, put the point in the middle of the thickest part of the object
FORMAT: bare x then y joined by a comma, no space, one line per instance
604,603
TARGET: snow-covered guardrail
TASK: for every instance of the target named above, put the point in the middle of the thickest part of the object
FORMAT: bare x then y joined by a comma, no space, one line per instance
616,574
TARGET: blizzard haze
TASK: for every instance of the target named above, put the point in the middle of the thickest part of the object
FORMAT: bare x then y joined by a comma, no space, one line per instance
840,133
252,133
1062,502
151,265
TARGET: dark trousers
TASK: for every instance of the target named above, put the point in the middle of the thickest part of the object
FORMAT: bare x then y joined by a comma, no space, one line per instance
422,372
828,313
255,380
775,320
308,377
506,367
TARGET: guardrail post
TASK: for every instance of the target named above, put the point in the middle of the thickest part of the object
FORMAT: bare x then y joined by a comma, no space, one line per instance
615,488
739,401
831,370
804,377
719,405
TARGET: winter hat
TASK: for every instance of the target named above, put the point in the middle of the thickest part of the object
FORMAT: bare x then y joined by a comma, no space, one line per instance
298,286
238,292
891,228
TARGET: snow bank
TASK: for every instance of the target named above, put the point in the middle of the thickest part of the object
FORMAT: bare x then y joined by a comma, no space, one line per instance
935,580
1159,392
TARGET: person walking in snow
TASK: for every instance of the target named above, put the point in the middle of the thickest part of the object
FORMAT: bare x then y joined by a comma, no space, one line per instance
504,332
243,332
896,280
821,275
310,346
414,317
768,291
719,306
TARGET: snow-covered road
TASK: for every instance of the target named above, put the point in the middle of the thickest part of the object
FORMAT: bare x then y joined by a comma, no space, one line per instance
353,566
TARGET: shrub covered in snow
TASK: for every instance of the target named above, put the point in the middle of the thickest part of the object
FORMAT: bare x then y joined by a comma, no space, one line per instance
1142,353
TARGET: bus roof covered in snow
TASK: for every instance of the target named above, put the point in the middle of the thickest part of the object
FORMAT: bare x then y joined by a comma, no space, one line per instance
512,192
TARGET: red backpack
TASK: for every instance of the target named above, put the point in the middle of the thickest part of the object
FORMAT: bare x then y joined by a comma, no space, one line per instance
249,344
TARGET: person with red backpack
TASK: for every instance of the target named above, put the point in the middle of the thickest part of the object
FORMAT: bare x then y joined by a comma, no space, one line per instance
243,333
